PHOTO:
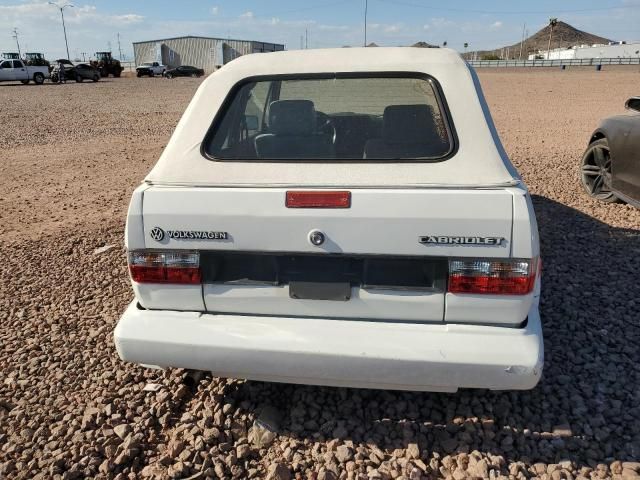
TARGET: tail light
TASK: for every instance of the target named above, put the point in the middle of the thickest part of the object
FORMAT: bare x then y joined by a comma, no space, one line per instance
165,267
499,277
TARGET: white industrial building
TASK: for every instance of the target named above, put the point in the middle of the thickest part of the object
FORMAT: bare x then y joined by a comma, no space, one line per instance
202,52
614,50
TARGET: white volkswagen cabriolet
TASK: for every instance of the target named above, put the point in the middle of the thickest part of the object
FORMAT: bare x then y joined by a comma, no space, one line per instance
342,217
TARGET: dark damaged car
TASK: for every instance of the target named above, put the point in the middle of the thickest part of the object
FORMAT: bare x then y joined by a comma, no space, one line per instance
610,167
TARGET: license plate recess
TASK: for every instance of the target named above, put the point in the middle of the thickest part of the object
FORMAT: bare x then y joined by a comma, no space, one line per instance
337,291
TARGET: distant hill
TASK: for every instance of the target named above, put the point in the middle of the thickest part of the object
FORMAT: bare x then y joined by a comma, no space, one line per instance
564,35
424,45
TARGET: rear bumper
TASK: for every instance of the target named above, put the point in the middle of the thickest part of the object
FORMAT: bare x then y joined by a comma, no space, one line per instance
365,354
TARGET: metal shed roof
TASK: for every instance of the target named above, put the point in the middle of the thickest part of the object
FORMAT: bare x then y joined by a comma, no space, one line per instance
205,38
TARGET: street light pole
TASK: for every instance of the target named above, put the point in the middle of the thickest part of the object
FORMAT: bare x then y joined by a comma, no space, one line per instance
64,28
366,5
552,23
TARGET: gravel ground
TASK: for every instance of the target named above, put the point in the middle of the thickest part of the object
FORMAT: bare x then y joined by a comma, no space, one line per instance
69,408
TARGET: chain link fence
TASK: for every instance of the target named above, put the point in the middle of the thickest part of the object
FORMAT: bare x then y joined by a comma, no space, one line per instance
573,62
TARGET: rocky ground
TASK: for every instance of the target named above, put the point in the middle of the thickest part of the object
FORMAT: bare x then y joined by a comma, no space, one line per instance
69,408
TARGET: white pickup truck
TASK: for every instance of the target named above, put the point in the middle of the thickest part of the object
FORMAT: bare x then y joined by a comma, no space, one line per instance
17,71
150,69
342,217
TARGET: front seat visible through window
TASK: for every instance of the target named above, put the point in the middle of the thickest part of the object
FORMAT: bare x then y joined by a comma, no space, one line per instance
292,133
408,131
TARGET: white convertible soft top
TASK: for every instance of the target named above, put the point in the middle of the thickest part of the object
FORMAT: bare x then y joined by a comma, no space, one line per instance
479,161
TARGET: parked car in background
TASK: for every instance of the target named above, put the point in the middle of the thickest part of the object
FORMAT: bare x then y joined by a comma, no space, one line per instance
16,70
184,71
150,69
69,70
342,217
85,71
610,166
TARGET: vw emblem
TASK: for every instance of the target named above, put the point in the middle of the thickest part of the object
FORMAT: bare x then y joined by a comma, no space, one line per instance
157,234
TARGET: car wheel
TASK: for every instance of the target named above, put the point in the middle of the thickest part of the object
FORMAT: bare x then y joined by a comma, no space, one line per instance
38,78
79,78
194,75
138,74
595,171
168,75
96,77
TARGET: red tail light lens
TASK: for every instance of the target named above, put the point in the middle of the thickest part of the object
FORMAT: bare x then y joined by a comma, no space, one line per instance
498,277
318,199
165,267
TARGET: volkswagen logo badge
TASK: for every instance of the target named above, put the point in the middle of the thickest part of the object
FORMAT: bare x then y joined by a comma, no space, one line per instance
316,238
157,234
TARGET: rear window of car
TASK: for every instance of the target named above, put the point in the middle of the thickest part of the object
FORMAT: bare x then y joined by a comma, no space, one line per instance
366,118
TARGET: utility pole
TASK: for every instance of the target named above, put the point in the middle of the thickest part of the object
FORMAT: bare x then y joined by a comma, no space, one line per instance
301,42
306,38
119,49
64,28
366,7
15,35
552,23
522,41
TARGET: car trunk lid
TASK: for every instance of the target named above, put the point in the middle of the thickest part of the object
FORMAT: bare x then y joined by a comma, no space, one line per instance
383,257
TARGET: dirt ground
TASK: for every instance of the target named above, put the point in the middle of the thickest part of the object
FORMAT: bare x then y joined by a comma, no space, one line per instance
69,408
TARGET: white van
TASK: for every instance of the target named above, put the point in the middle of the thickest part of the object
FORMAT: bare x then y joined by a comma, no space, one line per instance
342,217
